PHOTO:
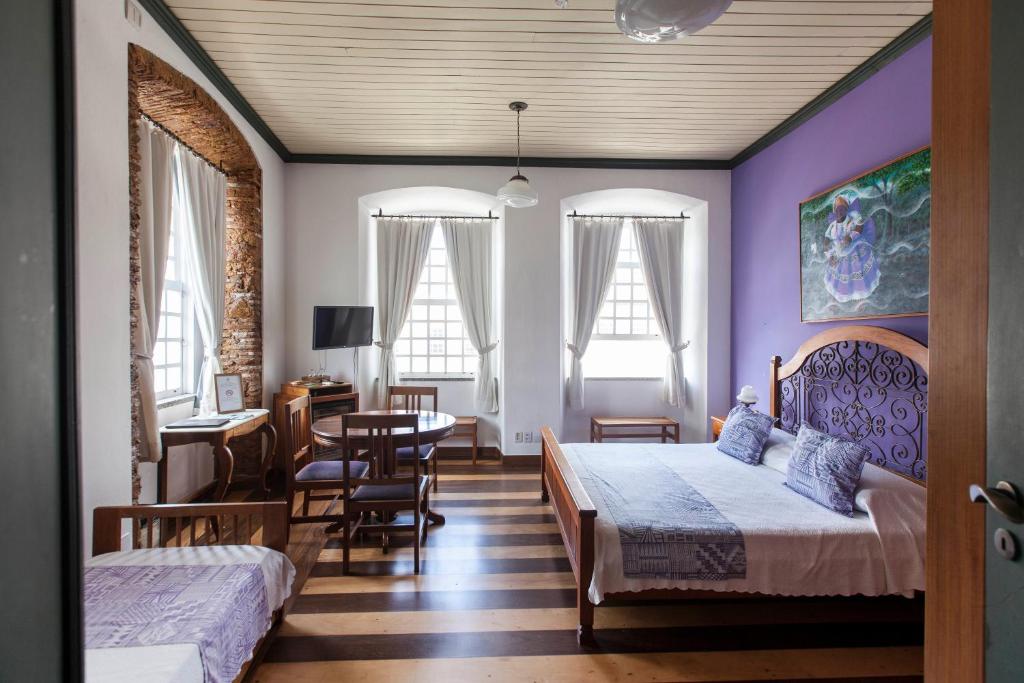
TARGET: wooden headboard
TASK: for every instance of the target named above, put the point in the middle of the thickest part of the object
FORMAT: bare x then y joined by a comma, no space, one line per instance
863,383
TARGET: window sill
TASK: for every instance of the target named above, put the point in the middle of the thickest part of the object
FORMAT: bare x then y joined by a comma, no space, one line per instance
622,379
435,378
171,401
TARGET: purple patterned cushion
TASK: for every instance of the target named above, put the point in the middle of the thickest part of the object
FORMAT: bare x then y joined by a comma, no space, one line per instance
331,470
826,469
744,433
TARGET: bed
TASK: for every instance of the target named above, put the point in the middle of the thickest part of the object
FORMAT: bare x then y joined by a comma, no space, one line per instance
683,521
195,597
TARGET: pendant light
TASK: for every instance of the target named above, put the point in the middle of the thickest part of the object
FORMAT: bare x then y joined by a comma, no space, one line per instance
517,192
660,21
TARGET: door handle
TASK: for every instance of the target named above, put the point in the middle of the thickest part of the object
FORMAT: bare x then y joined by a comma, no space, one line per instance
1004,499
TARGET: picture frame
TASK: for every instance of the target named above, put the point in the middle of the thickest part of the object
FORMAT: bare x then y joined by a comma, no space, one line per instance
229,393
864,244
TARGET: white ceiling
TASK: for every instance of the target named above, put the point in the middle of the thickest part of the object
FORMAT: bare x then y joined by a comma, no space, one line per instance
425,77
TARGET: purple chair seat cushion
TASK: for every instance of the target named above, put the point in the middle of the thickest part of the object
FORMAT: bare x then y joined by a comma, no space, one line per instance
388,492
404,454
331,470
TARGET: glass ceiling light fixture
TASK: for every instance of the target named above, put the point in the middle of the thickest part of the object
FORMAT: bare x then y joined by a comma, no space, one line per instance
517,192
662,21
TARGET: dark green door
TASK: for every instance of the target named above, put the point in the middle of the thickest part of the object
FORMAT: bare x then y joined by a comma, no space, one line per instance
1004,570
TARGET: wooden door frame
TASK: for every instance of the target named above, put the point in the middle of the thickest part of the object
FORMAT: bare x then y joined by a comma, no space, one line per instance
38,418
958,340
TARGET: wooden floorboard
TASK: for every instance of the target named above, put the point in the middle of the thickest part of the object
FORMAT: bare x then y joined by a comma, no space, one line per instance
495,601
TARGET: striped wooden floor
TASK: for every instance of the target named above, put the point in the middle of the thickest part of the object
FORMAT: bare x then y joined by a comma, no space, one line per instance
495,603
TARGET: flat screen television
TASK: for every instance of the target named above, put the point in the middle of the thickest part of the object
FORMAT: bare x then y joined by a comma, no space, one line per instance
342,327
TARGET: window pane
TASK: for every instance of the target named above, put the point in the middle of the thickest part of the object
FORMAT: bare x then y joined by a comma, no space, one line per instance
171,327
622,310
622,327
172,301
622,292
160,380
173,353
160,354
174,379
436,335
605,326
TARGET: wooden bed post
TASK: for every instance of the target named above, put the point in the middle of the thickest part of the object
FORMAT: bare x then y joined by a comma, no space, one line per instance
774,409
585,630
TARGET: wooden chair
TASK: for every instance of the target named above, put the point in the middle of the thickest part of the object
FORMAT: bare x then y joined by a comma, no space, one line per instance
411,398
385,492
304,474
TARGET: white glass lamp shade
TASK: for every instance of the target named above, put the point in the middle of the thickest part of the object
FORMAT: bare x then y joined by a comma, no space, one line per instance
659,21
517,193
747,395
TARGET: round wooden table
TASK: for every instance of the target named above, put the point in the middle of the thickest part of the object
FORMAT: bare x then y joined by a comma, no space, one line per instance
433,427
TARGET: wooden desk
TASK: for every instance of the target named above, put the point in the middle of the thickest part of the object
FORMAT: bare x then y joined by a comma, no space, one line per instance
666,427
255,420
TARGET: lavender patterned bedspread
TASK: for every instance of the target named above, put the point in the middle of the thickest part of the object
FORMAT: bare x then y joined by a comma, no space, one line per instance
667,529
221,609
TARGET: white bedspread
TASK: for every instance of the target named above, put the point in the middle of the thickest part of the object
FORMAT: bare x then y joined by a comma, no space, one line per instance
793,545
180,663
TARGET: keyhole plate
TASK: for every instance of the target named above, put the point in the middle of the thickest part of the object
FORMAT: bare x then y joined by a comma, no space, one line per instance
1006,544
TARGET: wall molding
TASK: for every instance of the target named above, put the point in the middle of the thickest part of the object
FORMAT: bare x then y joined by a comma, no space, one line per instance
195,52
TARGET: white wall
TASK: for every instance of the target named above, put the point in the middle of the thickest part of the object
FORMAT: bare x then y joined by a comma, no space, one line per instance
101,52
324,261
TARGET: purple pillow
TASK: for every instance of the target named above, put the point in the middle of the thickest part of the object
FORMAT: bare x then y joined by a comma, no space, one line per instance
744,433
826,469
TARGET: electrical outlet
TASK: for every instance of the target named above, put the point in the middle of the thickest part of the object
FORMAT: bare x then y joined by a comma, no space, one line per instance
132,13
519,437
529,437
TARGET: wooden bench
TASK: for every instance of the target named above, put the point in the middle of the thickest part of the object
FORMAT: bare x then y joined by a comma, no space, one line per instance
667,428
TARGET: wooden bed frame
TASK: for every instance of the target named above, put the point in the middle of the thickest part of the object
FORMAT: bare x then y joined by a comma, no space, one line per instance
193,524
575,512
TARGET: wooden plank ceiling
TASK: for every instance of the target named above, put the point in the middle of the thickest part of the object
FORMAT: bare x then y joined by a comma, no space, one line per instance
424,77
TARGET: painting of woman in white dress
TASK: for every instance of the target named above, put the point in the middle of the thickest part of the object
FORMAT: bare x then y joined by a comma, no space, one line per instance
864,245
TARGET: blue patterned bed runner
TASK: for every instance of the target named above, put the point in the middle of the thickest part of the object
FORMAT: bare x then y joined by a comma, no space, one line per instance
221,609
667,529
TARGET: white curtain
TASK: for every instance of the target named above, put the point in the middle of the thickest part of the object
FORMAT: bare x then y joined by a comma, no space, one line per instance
402,248
595,244
660,243
156,173
199,224
468,243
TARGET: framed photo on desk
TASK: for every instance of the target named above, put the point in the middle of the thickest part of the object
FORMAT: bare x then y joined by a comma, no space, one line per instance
230,398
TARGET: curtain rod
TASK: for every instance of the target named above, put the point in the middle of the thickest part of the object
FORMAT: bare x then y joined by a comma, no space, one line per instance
680,217
380,214
217,167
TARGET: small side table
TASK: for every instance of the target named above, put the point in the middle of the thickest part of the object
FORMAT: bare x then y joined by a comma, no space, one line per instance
716,427
239,424
666,427
467,427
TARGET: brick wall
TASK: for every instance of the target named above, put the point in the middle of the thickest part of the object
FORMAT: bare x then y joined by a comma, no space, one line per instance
175,102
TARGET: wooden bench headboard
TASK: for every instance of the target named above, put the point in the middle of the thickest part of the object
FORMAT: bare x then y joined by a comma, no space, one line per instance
863,383
160,526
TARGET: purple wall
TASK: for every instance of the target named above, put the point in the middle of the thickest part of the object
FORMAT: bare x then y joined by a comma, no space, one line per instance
884,117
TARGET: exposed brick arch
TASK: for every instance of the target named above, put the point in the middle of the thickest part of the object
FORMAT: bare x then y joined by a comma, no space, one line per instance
177,103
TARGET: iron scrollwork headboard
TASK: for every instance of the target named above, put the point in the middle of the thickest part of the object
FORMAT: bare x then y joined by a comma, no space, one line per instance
866,384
